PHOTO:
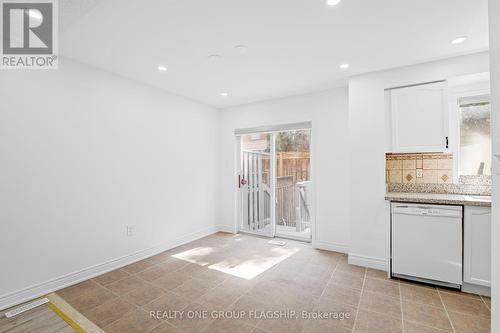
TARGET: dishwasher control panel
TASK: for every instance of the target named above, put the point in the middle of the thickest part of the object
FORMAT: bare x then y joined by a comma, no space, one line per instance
430,210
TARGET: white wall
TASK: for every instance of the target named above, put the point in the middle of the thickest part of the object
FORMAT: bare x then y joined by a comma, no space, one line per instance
328,112
84,153
369,140
494,13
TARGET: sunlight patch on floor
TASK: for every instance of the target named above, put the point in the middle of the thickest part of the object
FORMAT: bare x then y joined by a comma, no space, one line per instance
196,255
257,264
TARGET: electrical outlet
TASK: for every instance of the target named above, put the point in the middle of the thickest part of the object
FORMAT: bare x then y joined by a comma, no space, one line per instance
420,173
130,230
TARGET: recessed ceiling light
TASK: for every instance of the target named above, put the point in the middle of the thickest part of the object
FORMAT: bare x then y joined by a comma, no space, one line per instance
214,57
224,94
332,2
241,49
162,68
459,40
344,66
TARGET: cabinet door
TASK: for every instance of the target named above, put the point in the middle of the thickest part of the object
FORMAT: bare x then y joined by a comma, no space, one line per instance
477,245
419,118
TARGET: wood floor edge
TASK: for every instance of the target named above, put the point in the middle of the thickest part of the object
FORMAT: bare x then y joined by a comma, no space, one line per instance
75,319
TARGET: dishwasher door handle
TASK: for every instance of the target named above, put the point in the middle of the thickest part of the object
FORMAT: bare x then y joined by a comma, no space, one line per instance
428,213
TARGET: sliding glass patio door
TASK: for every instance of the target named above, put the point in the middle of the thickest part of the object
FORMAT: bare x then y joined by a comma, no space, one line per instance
274,181
293,184
255,184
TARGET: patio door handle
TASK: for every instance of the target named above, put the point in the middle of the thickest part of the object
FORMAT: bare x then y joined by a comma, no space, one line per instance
241,181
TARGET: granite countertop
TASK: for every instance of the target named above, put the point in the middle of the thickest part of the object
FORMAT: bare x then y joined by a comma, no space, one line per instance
446,199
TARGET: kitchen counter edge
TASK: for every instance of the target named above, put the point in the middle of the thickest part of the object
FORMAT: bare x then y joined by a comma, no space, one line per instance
440,199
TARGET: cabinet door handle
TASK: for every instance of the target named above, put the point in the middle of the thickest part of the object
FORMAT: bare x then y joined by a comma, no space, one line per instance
447,143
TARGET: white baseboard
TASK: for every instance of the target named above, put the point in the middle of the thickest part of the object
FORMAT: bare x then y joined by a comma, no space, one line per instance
29,293
225,228
322,245
476,289
370,262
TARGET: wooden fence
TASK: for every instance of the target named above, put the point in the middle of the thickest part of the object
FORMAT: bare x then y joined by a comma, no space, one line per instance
295,164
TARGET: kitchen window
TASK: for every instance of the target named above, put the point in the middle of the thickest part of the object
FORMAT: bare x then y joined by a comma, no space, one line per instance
475,135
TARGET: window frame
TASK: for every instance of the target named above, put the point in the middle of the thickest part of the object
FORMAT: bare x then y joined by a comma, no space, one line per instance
457,92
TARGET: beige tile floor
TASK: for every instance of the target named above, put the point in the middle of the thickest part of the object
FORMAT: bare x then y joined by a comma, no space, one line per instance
244,276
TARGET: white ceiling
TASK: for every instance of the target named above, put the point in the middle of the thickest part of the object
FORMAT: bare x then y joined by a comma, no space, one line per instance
294,46
71,11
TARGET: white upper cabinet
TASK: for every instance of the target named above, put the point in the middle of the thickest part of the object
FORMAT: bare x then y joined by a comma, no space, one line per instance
420,118
477,245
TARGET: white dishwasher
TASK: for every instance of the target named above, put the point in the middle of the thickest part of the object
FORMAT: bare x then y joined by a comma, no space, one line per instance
426,243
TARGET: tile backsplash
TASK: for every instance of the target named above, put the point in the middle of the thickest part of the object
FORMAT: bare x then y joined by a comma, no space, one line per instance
427,168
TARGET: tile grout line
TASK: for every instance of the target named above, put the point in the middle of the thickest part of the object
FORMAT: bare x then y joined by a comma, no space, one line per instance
161,323
173,292
121,298
330,278
379,294
190,302
117,297
359,302
427,305
446,310
236,300
326,285
482,298
324,288
193,301
130,275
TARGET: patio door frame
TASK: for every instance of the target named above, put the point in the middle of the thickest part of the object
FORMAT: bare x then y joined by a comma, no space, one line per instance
272,130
